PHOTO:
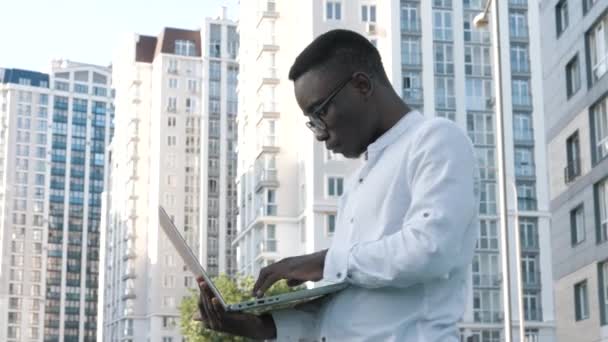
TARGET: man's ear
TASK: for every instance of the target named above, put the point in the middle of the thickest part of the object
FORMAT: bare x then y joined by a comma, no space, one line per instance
363,82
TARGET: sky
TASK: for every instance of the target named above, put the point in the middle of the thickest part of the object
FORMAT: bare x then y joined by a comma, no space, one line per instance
33,32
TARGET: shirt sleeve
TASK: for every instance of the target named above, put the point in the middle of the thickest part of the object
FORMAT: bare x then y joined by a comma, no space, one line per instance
438,231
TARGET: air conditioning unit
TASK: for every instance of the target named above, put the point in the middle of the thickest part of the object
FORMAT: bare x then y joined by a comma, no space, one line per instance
370,28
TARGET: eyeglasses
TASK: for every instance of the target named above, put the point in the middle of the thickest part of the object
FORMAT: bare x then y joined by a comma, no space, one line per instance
316,123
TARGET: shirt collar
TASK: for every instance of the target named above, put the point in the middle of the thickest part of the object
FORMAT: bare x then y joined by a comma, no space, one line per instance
393,133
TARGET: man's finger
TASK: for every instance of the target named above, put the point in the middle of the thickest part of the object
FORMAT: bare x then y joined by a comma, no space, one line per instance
212,312
268,281
261,278
206,307
218,310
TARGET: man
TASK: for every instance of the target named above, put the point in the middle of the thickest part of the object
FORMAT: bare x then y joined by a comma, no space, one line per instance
407,222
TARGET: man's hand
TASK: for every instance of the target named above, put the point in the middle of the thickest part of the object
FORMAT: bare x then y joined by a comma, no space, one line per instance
296,270
214,317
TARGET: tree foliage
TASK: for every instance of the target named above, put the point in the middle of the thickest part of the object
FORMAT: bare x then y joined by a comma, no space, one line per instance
233,291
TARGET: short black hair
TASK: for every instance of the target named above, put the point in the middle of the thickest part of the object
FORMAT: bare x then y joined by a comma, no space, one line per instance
340,51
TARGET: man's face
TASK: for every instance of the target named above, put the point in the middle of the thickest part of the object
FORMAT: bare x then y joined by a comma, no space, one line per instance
348,122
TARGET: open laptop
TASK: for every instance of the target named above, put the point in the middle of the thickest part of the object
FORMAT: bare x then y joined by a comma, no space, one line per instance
256,306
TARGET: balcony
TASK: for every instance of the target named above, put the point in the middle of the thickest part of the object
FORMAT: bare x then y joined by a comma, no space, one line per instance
129,254
531,280
572,171
487,280
268,13
411,28
524,170
267,110
128,294
269,76
267,43
267,210
267,246
129,274
266,178
488,316
526,203
267,143
523,137
413,96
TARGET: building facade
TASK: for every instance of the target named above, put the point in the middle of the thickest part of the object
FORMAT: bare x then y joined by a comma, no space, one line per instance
575,56
57,128
441,65
173,147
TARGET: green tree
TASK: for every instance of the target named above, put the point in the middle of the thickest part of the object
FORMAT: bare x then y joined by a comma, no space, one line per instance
233,291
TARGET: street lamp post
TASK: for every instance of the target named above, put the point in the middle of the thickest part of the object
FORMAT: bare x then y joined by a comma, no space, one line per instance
481,20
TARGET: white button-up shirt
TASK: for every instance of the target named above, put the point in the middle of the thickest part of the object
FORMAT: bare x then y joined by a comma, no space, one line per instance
404,240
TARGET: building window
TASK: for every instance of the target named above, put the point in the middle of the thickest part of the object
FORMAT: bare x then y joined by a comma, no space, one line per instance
331,223
524,162
577,225
335,186
445,97
410,20
518,25
184,48
368,13
587,4
488,235
581,303
596,40
603,284
487,198
573,76
528,230
599,113
333,10
444,59
532,306
601,198
479,94
561,16
573,168
520,59
173,83
521,93
215,40
529,268
526,196
410,51
442,25
522,127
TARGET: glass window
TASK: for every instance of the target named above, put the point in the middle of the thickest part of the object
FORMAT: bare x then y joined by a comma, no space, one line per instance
331,223
561,16
573,76
577,225
333,10
335,186
581,303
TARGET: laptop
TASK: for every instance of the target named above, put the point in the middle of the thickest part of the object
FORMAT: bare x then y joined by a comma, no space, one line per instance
255,306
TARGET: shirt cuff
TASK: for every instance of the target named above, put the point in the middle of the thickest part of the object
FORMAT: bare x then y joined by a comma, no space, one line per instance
294,325
336,265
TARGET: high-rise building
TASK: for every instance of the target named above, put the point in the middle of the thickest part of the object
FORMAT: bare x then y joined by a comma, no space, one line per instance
24,141
82,110
441,65
53,174
575,61
173,147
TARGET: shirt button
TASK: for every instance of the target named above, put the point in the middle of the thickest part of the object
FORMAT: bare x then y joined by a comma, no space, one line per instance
323,339
339,274
360,180
352,220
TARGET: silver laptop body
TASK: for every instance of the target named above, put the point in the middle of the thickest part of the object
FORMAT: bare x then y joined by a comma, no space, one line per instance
256,306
